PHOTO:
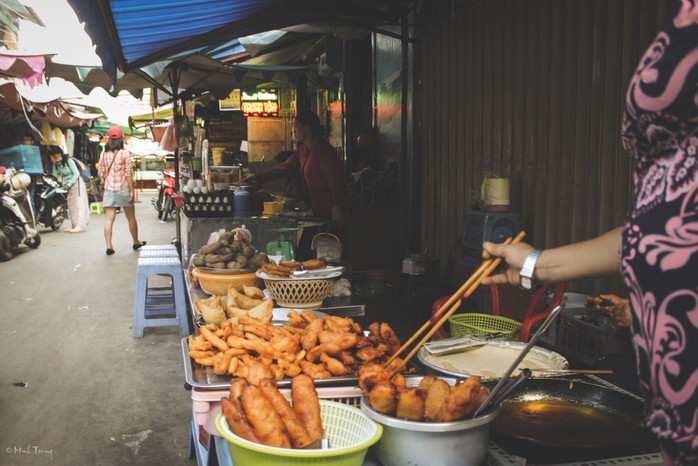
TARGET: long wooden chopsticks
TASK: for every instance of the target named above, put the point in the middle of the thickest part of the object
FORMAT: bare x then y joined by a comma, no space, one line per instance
441,316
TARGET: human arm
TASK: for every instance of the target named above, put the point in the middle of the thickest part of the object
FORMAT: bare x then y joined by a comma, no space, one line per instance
128,174
595,257
290,165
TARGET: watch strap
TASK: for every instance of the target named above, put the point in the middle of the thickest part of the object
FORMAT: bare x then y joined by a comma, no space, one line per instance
529,267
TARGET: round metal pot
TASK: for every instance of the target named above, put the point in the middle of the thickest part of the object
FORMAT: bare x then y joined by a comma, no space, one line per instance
460,443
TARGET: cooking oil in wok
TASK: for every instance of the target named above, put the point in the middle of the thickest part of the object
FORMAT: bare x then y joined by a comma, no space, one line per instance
564,423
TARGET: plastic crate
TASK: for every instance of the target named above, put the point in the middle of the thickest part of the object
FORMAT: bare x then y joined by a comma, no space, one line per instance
484,324
578,336
22,157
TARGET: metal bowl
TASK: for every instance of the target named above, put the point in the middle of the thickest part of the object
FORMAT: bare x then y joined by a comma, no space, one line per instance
459,443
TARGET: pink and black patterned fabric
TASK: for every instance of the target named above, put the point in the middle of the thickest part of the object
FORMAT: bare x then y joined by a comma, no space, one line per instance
659,256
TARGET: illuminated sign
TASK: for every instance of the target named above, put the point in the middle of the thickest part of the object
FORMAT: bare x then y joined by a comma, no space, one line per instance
264,103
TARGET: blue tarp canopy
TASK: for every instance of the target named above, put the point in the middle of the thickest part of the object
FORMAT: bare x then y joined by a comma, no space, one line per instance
130,34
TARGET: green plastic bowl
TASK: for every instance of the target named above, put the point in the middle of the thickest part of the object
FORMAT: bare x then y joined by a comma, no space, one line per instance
349,431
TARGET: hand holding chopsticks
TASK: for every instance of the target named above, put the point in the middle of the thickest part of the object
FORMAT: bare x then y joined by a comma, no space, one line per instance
450,306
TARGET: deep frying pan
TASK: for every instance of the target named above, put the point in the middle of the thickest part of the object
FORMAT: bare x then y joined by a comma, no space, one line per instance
570,420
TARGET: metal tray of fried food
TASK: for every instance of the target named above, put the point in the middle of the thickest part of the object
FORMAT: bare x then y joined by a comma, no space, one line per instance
203,376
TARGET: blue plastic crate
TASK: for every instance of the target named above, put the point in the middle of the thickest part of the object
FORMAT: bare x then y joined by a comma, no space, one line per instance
22,156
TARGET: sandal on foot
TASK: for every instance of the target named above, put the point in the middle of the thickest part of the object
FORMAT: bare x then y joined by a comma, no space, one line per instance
110,251
137,246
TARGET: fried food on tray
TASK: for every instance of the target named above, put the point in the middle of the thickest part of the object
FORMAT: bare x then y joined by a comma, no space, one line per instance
216,309
211,310
320,347
314,264
284,268
306,404
253,292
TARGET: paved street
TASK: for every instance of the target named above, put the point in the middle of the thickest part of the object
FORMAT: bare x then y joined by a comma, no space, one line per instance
77,389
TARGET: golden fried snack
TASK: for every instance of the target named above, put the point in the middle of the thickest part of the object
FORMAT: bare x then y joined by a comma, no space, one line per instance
237,421
306,404
410,405
247,303
211,309
314,264
316,371
383,398
200,354
334,366
300,438
216,341
460,402
436,396
253,292
266,422
425,383
344,340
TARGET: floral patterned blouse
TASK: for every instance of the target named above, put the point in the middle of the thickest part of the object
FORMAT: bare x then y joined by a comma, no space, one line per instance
659,256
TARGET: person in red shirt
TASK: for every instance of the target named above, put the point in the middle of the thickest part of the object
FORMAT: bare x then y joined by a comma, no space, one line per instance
321,171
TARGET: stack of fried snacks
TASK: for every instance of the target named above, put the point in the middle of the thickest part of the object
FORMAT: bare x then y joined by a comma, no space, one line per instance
260,413
217,309
320,347
434,400
284,269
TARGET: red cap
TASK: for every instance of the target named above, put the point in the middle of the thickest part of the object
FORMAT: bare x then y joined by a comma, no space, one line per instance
115,132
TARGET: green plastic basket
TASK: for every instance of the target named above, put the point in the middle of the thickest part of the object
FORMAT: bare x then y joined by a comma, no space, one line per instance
349,430
484,324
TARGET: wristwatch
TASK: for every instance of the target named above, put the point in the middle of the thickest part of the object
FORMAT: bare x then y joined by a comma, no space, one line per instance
528,268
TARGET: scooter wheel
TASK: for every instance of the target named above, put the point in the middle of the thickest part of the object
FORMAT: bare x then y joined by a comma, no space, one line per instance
6,252
34,242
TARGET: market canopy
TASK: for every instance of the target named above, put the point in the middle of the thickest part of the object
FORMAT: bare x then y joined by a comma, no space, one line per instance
54,111
130,34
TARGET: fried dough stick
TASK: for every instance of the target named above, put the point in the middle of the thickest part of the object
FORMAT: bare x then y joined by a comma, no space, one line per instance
296,430
267,424
306,404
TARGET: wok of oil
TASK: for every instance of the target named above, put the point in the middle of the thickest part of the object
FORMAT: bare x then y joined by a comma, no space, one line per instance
565,423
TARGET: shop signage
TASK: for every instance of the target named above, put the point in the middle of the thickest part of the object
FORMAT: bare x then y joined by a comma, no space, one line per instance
232,102
264,102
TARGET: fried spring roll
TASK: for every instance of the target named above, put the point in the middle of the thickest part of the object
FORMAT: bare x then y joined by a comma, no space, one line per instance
266,422
296,430
236,420
306,404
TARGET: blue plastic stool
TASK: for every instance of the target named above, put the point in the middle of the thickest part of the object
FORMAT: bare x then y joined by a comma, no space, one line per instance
158,250
160,306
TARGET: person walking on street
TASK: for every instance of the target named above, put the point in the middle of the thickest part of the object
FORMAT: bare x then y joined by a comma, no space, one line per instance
115,168
66,171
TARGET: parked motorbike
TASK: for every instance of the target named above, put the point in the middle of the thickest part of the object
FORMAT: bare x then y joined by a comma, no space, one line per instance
164,204
17,223
51,200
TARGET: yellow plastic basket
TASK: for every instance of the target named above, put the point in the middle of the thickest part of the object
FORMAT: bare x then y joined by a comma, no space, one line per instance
349,431
483,324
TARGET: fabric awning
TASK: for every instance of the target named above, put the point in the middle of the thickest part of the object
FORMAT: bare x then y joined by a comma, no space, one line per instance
129,34
26,67
54,111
